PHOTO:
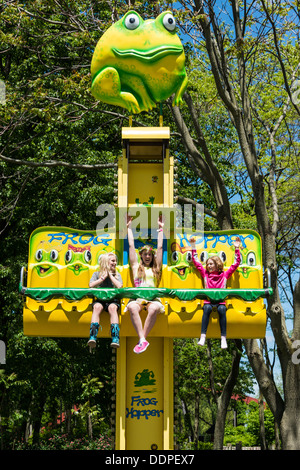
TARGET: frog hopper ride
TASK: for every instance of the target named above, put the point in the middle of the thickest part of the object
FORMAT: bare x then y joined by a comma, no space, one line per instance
138,63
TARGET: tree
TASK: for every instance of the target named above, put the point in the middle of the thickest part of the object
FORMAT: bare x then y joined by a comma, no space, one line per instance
90,387
232,57
203,376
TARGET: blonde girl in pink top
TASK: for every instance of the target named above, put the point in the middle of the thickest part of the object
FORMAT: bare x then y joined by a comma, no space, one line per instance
215,277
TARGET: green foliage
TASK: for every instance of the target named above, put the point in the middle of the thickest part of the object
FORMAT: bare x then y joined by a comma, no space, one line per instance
247,432
64,442
195,401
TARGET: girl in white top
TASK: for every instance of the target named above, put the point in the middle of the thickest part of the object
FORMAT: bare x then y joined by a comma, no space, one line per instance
146,273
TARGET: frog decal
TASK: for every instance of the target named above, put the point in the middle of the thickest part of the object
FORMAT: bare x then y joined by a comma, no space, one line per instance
77,258
181,260
46,259
249,262
145,377
138,63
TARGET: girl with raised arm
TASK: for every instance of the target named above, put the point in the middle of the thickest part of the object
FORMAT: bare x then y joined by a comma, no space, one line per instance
146,273
215,277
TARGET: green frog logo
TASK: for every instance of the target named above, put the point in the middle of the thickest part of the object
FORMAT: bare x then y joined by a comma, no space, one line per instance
249,263
146,377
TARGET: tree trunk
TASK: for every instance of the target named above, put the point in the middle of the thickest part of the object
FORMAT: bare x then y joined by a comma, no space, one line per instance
290,423
262,429
224,399
38,405
196,420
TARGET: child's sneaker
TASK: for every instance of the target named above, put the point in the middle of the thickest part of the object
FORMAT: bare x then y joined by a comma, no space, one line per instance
201,341
115,342
93,335
91,344
223,342
141,347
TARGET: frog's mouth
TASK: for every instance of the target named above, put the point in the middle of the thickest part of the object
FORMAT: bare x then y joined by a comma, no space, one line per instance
45,270
77,268
181,271
148,56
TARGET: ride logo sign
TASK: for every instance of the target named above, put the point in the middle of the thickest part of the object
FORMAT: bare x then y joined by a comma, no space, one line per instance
141,406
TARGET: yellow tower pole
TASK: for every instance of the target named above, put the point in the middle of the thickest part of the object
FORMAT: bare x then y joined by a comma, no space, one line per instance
144,383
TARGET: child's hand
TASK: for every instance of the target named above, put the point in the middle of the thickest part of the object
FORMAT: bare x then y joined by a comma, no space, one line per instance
161,221
237,242
129,220
192,241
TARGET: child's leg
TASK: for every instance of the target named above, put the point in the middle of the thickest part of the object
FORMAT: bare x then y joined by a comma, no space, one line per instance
114,325
207,309
97,309
95,323
222,317
134,309
113,312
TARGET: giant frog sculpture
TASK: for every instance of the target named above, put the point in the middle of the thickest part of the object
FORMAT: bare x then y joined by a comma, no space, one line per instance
138,63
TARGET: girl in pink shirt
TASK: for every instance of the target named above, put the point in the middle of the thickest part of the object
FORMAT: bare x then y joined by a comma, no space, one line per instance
215,277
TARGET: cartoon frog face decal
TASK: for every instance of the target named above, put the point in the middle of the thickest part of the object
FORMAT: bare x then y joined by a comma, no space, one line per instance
46,260
180,260
78,258
249,262
138,63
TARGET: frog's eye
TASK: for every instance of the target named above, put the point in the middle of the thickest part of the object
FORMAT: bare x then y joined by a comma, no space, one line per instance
54,255
174,256
188,256
169,22
132,21
251,259
203,257
87,256
39,255
222,255
68,256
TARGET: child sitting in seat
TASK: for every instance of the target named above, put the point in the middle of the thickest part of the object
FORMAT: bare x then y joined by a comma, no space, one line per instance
106,278
215,277
146,273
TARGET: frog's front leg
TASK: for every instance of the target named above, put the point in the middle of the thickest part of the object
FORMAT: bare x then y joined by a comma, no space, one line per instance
106,87
179,93
142,92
